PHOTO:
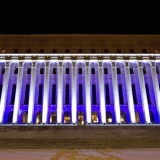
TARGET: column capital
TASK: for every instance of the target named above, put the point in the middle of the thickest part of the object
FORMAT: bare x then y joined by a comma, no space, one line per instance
100,63
21,63
47,63
153,64
139,63
73,63
113,63
86,63
8,63
126,63
60,63
34,63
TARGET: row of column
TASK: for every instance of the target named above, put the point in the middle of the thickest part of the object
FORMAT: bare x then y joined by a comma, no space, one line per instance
74,98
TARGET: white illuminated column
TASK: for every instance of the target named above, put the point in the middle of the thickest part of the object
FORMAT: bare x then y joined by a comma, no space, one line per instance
46,92
60,89
4,90
143,92
32,92
156,86
88,94
18,92
101,91
115,91
74,93
129,92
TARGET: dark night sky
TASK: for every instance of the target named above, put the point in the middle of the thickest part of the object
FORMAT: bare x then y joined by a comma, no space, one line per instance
95,18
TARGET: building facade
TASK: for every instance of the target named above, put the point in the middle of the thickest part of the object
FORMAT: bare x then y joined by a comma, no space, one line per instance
80,88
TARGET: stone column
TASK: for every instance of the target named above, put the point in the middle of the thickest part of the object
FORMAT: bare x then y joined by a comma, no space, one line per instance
88,92
74,93
4,90
155,86
32,92
18,92
46,91
129,92
143,92
60,90
115,92
101,91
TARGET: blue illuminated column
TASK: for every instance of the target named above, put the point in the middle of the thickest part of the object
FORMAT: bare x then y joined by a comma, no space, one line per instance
156,86
129,92
18,92
60,89
74,93
46,91
115,92
101,91
88,93
4,90
32,92
143,92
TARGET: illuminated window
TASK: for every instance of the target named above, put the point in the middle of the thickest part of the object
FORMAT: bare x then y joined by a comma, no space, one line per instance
94,117
39,117
109,117
123,117
137,117
53,117
156,50
81,118
67,117
10,117
24,117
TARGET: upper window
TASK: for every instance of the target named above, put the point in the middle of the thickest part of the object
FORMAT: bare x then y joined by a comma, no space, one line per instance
29,70
92,70
16,70
3,70
157,70
131,70
144,70
105,70
41,70
79,70
67,70
54,70
118,70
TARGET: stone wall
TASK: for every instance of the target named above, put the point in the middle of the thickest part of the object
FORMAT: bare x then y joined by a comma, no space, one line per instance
40,137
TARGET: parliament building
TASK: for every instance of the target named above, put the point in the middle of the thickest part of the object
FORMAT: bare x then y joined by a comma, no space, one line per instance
77,79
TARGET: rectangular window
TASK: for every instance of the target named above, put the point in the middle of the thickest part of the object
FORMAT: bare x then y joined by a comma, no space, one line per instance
79,70
118,70
54,70
3,70
53,93
40,94
94,100
134,94
29,70
13,93
107,94
157,70
131,70
41,70
105,70
67,94
67,70
92,70
148,95
120,94
144,70
1,90
26,100
16,70
80,94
